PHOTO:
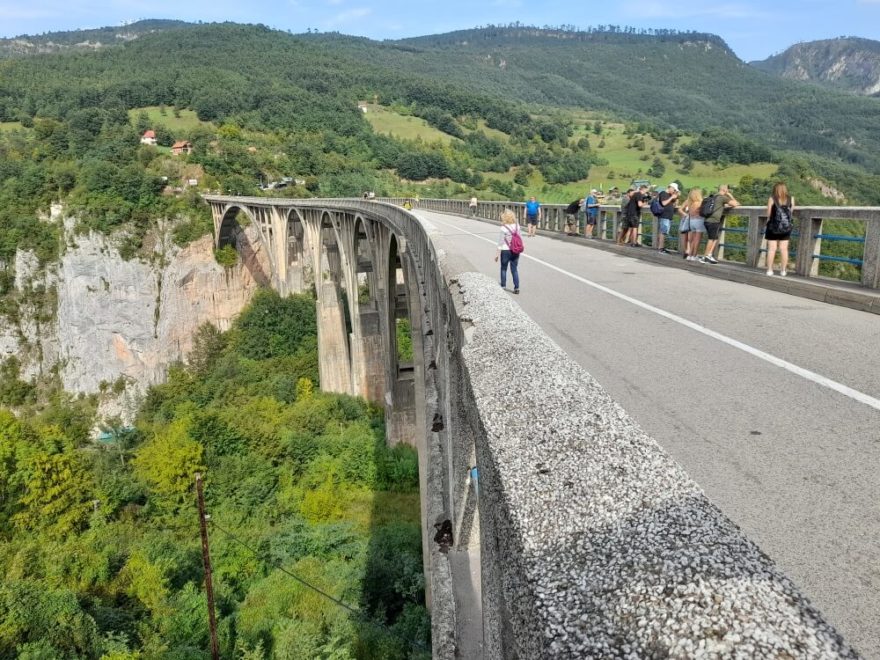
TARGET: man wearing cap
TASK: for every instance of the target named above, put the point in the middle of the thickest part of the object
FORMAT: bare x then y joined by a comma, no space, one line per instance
591,209
667,201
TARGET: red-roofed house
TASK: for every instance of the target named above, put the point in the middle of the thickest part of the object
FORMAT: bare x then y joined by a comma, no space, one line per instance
181,147
149,137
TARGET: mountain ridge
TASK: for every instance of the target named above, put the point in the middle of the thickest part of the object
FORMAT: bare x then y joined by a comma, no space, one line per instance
845,64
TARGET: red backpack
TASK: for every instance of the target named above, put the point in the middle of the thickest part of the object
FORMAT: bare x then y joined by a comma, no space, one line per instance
515,242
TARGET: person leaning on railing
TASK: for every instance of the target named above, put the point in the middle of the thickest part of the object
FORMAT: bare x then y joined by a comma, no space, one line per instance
724,200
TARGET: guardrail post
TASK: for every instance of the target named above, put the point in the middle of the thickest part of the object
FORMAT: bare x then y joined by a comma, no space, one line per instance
722,235
807,246
655,231
871,255
755,241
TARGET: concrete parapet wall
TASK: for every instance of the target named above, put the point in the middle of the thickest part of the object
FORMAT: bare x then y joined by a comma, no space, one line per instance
594,542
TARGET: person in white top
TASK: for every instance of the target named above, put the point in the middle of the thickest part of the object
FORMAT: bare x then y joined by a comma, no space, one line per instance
472,205
508,229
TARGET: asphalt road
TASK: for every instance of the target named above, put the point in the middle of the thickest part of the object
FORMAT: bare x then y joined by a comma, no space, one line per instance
769,401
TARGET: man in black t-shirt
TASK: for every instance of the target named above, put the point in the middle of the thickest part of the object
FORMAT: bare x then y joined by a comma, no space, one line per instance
667,200
632,216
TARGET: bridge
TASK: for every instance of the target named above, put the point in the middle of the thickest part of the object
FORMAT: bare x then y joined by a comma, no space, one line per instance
581,532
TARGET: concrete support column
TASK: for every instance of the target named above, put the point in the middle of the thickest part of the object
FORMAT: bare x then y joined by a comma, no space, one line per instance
368,358
278,225
300,275
334,365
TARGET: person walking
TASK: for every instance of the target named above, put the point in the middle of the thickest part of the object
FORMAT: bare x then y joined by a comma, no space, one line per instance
692,226
667,200
509,229
780,207
721,202
472,205
533,215
591,211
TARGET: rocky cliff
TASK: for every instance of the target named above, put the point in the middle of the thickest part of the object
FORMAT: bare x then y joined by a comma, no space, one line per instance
846,63
98,319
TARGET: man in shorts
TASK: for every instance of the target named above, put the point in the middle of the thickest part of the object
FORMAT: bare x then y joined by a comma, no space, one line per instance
667,200
724,200
632,218
571,217
591,210
623,229
533,215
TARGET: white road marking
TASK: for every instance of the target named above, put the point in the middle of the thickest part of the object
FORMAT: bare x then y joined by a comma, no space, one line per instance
812,376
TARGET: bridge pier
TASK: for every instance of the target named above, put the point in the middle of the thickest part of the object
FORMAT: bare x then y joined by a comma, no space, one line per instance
368,357
333,366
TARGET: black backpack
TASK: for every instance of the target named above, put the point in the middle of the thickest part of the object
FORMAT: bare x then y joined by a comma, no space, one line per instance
657,206
780,222
707,208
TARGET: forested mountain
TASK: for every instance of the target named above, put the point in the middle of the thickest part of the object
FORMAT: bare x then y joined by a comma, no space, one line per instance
55,42
846,63
510,100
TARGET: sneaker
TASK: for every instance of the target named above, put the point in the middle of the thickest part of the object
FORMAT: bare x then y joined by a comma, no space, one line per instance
770,273
709,259
663,250
691,258
686,256
702,260
783,273
516,290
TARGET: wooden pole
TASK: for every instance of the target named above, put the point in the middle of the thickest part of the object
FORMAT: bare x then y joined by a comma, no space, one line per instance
206,557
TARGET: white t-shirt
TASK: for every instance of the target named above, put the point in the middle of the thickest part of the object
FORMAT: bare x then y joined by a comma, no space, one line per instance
504,235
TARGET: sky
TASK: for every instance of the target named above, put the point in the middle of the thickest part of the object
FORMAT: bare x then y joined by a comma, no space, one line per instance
754,29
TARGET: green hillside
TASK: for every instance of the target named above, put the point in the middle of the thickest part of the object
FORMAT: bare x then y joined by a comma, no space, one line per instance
99,542
500,112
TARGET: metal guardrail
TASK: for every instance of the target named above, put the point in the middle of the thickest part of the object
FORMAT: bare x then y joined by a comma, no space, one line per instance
813,251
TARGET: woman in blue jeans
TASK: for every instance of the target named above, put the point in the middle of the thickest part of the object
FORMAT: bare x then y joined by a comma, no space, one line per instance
508,229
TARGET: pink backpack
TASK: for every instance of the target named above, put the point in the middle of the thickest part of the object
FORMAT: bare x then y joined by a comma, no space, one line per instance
515,242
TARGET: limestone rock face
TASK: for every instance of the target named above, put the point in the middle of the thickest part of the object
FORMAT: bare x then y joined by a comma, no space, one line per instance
116,318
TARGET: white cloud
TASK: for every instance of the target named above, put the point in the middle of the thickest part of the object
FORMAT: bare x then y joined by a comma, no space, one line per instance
23,13
349,15
657,9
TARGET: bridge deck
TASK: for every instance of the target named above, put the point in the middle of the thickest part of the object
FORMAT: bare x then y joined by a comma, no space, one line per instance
709,368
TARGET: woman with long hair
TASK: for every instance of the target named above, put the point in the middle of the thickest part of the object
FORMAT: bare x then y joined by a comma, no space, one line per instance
780,207
509,228
693,225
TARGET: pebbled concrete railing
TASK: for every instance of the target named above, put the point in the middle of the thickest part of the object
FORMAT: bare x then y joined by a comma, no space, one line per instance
747,222
594,542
